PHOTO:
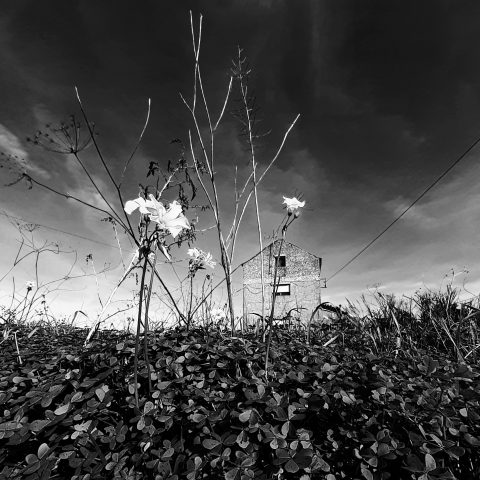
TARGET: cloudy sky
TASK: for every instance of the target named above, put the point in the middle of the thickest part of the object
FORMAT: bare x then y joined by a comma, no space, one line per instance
389,97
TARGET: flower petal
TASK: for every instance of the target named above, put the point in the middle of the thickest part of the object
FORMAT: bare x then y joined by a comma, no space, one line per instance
174,210
132,205
177,225
154,207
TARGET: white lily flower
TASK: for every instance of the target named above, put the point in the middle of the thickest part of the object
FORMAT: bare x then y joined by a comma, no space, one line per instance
171,219
293,204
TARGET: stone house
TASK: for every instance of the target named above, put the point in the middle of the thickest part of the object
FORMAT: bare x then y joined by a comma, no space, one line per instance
298,280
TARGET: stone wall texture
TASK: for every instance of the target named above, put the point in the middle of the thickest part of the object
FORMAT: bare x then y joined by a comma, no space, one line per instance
301,273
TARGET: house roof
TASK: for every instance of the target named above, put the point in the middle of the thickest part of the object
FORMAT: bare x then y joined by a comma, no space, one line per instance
277,241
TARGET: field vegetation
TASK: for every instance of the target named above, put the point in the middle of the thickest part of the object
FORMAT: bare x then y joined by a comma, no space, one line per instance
391,395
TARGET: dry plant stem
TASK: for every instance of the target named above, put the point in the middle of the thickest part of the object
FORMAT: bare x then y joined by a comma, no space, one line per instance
275,286
16,261
92,181
105,166
145,325
267,168
139,324
196,50
136,145
226,259
399,333
181,316
37,252
24,301
225,262
99,318
309,325
72,197
96,281
180,283
18,350
474,349
227,96
189,316
449,335
119,245
243,88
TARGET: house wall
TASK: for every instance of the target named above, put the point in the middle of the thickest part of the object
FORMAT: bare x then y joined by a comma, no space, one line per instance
302,272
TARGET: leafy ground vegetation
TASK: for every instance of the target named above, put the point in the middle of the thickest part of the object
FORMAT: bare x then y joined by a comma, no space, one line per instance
355,402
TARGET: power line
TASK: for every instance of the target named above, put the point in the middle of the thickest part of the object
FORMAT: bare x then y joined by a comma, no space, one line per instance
60,231
456,162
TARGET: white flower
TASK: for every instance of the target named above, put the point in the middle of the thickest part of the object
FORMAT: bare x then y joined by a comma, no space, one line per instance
200,259
30,285
208,260
293,204
139,203
171,219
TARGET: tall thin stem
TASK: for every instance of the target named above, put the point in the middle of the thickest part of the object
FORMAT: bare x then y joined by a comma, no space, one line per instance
189,315
145,323
139,323
209,160
105,166
274,292
259,180
245,100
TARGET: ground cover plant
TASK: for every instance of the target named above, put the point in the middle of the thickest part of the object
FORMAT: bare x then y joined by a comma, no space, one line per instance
351,408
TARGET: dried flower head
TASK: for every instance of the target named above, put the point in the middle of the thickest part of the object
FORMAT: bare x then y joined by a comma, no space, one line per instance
66,137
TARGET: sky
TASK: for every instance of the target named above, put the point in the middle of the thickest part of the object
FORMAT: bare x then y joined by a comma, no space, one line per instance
388,95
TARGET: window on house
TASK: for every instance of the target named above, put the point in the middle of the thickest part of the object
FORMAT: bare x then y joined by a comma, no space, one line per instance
281,261
282,289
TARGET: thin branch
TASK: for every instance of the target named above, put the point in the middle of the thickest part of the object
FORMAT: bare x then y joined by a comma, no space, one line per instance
199,135
227,96
137,144
72,197
167,291
267,168
105,166
196,50
92,181
195,163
